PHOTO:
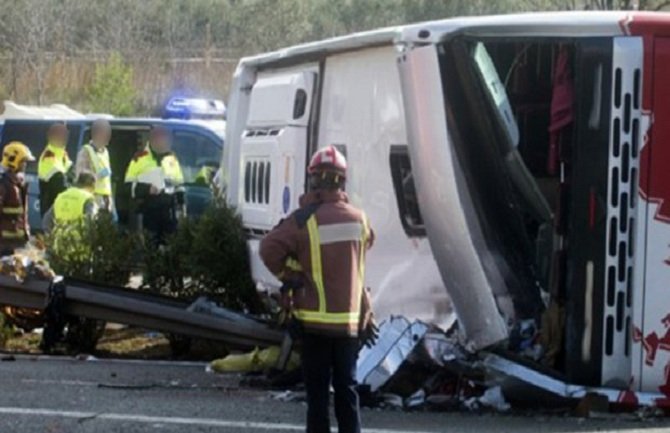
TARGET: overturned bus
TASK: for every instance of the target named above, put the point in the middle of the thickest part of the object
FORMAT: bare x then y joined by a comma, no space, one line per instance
511,166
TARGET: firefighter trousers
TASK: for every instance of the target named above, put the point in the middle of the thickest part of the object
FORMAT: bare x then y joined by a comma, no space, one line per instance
328,359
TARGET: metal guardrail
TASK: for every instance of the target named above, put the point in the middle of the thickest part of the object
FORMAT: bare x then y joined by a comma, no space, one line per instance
142,309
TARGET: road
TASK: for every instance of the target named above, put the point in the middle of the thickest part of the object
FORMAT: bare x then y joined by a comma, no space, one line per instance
72,396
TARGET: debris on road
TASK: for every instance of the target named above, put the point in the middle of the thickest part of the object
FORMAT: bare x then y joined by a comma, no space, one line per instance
492,398
397,339
255,361
287,396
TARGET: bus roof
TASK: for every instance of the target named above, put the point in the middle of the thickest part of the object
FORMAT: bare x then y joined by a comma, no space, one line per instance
545,24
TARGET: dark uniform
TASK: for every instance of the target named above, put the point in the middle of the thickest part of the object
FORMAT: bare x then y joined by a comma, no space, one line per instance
324,244
54,163
14,230
158,211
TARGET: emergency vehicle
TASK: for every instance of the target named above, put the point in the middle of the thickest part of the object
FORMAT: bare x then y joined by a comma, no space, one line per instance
198,143
508,164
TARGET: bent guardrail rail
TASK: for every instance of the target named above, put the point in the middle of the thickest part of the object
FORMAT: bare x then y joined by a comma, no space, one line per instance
142,309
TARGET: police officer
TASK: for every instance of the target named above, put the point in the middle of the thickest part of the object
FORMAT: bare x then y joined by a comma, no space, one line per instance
14,229
156,181
74,204
94,157
319,254
53,166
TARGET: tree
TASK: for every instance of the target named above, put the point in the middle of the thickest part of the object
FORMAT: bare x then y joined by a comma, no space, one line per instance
112,89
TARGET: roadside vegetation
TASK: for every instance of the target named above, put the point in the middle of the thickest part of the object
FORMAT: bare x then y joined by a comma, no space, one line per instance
78,51
205,257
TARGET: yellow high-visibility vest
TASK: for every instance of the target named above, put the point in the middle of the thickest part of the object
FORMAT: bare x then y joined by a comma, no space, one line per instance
103,170
145,162
53,160
70,205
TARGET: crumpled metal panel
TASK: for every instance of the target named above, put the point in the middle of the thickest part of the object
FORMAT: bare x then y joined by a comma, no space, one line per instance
397,339
455,236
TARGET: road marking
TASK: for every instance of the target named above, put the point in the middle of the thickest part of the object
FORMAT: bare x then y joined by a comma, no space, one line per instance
59,382
147,362
202,422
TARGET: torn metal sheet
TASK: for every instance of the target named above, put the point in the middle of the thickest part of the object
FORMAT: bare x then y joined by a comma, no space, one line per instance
397,339
511,369
441,349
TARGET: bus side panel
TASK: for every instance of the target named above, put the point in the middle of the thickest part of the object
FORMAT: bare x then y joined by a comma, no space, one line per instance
587,233
653,334
362,113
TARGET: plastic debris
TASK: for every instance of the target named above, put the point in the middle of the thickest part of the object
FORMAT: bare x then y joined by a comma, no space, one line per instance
288,396
254,361
493,398
416,400
397,340
392,400
441,349
25,262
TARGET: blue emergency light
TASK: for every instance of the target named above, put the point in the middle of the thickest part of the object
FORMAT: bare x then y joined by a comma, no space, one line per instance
194,108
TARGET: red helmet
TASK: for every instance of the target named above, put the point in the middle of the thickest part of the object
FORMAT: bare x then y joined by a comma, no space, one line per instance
328,159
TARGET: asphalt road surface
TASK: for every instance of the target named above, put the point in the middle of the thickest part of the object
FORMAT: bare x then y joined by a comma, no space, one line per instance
65,395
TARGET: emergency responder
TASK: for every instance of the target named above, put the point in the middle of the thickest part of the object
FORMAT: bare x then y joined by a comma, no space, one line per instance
318,252
53,166
94,157
156,181
74,204
14,228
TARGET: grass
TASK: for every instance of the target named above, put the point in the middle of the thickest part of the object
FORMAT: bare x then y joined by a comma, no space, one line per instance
133,343
129,343
125,343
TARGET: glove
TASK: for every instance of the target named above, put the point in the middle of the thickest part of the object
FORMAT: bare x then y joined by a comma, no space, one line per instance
291,284
369,334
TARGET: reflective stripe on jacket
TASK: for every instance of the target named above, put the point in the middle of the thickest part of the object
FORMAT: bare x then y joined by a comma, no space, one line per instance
329,246
70,205
53,160
145,162
102,169
13,211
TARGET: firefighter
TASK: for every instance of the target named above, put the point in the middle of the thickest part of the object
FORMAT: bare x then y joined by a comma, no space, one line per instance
14,228
53,167
74,204
318,252
94,157
156,181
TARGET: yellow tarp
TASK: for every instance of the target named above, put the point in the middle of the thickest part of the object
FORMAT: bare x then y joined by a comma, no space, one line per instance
254,361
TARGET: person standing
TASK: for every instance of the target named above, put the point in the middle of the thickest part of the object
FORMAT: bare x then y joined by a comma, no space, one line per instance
156,182
14,228
94,157
53,166
318,252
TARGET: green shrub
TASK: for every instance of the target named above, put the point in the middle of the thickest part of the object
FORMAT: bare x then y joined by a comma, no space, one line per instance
95,250
205,257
